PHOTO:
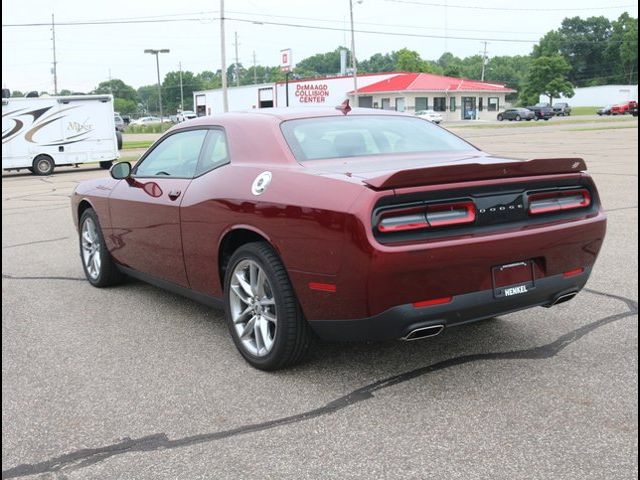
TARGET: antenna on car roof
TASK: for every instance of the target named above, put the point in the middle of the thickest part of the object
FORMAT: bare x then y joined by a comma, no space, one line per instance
344,107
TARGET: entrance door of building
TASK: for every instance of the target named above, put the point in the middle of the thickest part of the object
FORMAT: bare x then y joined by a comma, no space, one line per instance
468,108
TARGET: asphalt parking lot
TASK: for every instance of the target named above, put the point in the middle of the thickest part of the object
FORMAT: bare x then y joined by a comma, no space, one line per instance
136,383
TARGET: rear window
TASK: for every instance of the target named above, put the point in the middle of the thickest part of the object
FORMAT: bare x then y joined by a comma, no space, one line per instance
362,135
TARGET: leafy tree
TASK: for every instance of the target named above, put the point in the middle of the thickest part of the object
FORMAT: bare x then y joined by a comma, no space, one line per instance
148,99
171,90
16,94
125,107
64,92
118,89
622,51
379,63
547,76
209,80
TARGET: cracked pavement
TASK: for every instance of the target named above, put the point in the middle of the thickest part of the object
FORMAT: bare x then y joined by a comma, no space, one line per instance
135,383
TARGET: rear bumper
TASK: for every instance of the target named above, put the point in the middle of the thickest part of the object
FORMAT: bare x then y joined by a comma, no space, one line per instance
398,321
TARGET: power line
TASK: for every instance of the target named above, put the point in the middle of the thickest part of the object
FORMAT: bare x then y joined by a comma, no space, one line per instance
509,9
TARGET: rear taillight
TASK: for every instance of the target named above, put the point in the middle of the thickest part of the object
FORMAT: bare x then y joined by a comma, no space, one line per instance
429,216
547,202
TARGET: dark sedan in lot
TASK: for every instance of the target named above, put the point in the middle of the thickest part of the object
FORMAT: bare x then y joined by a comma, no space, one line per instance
516,114
350,225
542,112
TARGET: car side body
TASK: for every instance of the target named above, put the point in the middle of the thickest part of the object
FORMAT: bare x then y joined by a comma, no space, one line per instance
336,225
516,114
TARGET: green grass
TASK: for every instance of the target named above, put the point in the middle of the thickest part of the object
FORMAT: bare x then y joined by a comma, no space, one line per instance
604,127
129,145
576,111
153,128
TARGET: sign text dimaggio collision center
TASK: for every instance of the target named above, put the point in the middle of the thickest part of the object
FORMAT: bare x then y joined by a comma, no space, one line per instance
312,93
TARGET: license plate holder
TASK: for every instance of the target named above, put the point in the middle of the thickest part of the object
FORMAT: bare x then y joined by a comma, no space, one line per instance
513,279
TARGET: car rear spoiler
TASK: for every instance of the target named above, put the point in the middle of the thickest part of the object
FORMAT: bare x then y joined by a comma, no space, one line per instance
476,171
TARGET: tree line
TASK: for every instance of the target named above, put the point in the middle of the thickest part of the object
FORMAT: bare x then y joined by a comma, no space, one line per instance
582,52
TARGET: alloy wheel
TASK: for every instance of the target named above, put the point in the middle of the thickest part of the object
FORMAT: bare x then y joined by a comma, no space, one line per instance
91,248
253,308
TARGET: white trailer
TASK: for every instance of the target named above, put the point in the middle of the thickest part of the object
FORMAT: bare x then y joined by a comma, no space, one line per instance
42,133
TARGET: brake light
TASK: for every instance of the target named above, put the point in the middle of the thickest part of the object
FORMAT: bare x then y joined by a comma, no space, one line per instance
434,301
548,202
429,216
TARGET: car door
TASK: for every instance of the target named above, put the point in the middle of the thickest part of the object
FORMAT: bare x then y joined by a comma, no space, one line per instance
145,208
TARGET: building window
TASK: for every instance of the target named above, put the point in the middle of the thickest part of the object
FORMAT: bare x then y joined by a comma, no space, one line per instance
365,101
452,104
440,104
494,104
480,103
386,104
400,104
422,103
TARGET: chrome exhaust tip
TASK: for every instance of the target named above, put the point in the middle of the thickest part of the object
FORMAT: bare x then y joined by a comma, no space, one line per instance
424,332
563,298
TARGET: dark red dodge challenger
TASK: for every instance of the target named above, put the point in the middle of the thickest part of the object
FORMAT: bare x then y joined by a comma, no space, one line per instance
360,225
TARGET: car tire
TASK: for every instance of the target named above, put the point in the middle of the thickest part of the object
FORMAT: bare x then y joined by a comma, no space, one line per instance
518,118
106,165
43,165
500,118
101,271
271,345
119,139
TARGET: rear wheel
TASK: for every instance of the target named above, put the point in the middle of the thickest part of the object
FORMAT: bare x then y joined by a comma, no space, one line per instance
43,165
263,314
518,118
98,265
106,165
500,118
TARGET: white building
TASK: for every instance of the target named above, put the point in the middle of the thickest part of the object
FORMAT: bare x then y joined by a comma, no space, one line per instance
455,98
599,96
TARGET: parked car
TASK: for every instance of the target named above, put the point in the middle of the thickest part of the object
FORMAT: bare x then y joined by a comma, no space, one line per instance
516,114
119,122
604,110
361,225
542,112
186,115
431,115
146,121
126,119
624,108
561,109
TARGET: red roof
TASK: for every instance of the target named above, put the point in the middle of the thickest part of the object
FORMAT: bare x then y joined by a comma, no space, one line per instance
416,82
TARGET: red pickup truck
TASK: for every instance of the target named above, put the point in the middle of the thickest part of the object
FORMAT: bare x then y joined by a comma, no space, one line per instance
625,108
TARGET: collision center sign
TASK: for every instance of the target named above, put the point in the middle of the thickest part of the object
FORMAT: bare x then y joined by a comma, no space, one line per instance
312,92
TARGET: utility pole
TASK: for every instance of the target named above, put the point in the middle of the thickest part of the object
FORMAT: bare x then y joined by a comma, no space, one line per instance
55,62
484,60
223,60
255,73
353,58
236,69
181,91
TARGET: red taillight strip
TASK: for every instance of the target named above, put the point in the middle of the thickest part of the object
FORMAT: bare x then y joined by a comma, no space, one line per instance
547,202
428,216
573,273
323,287
434,301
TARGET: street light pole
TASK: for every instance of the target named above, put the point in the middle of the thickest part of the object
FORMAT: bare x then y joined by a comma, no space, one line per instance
353,56
156,53
223,60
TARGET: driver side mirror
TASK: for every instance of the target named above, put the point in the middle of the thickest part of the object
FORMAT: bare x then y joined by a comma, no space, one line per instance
120,170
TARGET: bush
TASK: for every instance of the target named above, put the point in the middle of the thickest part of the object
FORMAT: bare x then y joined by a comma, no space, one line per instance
152,128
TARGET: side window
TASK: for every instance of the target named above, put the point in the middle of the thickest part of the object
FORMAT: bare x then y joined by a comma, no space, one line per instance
176,156
215,152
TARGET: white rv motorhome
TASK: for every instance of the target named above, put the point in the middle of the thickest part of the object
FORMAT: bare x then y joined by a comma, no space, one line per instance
42,133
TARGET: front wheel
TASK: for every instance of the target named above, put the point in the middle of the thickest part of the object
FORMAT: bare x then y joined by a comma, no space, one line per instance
518,118
263,314
500,118
99,267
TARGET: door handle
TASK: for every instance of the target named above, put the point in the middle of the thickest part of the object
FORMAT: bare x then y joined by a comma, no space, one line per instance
173,194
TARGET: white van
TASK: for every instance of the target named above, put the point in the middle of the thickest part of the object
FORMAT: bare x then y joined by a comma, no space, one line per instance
42,133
